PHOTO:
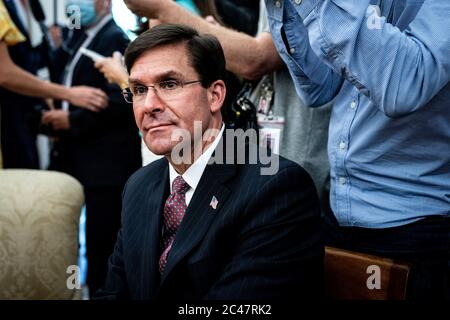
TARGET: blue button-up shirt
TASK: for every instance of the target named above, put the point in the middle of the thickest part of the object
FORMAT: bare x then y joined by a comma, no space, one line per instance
389,135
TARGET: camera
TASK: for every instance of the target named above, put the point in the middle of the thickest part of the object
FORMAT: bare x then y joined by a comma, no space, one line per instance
244,114
243,111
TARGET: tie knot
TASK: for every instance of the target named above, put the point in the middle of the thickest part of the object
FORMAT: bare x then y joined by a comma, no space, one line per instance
179,185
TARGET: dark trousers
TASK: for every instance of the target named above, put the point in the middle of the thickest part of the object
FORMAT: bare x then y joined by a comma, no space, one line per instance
425,244
17,141
103,210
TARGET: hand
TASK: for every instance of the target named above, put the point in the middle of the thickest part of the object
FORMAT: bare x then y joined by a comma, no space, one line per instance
59,119
87,97
114,70
147,8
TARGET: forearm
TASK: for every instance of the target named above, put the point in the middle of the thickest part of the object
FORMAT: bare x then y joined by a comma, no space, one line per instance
25,83
246,56
20,81
399,70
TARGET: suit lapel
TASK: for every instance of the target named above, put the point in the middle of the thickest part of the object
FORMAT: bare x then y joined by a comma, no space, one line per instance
200,213
157,193
79,59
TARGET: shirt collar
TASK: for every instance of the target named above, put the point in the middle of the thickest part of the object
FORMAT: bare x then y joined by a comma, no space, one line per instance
194,173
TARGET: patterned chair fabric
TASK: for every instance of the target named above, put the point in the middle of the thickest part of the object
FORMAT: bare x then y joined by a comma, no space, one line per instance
39,219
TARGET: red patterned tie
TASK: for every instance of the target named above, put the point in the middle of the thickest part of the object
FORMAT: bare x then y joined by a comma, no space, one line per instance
174,209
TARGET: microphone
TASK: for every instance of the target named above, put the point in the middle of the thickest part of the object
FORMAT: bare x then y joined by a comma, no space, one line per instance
55,12
39,16
37,10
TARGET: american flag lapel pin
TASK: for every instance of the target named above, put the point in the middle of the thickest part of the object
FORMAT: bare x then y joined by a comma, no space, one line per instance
214,202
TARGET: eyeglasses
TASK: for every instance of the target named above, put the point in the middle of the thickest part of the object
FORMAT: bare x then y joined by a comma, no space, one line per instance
166,89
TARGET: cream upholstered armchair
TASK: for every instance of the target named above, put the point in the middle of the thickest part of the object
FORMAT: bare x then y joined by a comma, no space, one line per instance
39,219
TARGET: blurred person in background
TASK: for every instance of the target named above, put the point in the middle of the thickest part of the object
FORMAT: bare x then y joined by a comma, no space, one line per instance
18,84
100,149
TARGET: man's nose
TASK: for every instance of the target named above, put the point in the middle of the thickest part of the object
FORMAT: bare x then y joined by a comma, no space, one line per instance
153,102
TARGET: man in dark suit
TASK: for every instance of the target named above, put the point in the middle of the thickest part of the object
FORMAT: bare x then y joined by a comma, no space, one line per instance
100,149
193,229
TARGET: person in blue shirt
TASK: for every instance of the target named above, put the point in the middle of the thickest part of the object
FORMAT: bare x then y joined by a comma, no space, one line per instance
386,64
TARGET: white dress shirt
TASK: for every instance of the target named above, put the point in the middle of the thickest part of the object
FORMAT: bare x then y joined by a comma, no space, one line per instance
194,173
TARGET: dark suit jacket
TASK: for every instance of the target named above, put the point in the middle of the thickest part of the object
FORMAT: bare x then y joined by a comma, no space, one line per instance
261,242
101,148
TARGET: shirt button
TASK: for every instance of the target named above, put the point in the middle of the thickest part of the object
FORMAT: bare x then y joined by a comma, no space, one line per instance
298,1
292,50
353,104
342,145
278,4
342,180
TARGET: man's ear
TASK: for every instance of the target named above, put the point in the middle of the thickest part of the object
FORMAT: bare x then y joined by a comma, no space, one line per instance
216,95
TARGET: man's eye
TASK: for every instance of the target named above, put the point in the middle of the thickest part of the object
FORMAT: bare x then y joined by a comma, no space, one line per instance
139,90
169,85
